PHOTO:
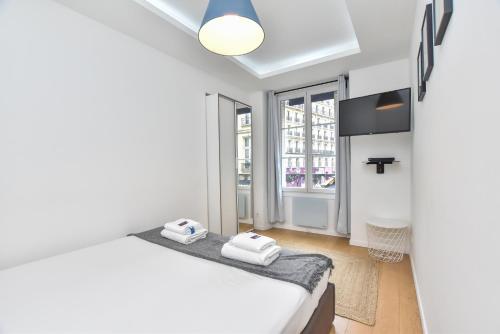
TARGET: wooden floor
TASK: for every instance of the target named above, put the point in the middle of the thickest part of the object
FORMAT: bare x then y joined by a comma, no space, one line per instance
245,227
397,309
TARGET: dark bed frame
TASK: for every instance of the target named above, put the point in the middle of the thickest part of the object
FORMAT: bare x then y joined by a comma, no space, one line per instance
321,320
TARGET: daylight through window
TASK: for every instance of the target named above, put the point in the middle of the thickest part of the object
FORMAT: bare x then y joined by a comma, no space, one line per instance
308,141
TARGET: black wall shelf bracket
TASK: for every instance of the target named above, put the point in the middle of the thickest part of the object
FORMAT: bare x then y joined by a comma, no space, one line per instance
380,162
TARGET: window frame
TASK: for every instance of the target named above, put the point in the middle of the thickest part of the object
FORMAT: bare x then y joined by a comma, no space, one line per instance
307,93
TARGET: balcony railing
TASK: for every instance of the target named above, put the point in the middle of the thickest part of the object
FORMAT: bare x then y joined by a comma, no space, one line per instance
245,122
294,150
323,151
245,168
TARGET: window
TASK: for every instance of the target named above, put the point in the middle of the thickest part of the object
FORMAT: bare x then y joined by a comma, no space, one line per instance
308,140
244,148
247,148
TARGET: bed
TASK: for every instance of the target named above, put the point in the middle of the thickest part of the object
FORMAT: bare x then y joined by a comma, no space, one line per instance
132,285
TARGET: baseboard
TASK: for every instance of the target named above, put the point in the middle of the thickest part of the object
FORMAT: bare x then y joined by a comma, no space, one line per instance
359,243
263,227
362,243
307,230
419,300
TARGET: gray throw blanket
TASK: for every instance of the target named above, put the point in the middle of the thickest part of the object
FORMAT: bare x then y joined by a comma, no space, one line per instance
305,270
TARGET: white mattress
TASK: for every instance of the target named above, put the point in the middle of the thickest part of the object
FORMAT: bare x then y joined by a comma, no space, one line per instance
131,285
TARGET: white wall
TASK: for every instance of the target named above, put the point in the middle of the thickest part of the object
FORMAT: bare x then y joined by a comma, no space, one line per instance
380,195
456,177
100,135
386,195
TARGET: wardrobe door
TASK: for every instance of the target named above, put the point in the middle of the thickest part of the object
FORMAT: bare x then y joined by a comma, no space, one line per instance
227,165
213,172
244,166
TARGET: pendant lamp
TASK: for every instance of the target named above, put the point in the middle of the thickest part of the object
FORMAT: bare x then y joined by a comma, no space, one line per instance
231,28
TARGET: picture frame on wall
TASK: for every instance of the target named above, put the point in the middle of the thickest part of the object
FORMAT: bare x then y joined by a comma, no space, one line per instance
427,38
443,9
422,86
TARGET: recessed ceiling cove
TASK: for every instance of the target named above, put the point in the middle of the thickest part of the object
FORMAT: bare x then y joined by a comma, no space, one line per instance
298,33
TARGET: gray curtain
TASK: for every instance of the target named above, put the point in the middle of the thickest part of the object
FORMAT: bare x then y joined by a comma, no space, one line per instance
275,209
343,171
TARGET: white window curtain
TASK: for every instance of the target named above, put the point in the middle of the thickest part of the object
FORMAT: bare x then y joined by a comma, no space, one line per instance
275,207
343,170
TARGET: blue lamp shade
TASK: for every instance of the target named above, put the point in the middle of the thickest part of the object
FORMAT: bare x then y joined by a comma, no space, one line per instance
231,28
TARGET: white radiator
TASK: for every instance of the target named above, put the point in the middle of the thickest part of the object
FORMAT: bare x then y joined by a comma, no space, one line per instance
310,212
242,206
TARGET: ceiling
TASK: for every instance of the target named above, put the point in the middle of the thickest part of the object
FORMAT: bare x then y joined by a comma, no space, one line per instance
291,43
306,41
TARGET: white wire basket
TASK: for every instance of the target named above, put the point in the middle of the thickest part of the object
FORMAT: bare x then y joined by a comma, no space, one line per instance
387,239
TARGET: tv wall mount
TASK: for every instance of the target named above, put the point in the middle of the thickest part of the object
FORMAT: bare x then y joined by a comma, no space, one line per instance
380,162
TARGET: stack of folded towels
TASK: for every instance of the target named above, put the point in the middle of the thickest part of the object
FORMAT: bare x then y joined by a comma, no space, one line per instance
251,248
185,231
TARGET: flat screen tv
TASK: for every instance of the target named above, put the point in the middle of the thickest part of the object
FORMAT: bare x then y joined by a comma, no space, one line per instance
387,112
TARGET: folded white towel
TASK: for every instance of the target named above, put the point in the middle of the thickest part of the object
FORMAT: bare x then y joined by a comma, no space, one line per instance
264,258
184,238
184,226
252,242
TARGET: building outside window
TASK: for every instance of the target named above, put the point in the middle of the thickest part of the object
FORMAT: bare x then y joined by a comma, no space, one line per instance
244,154
311,146
247,147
